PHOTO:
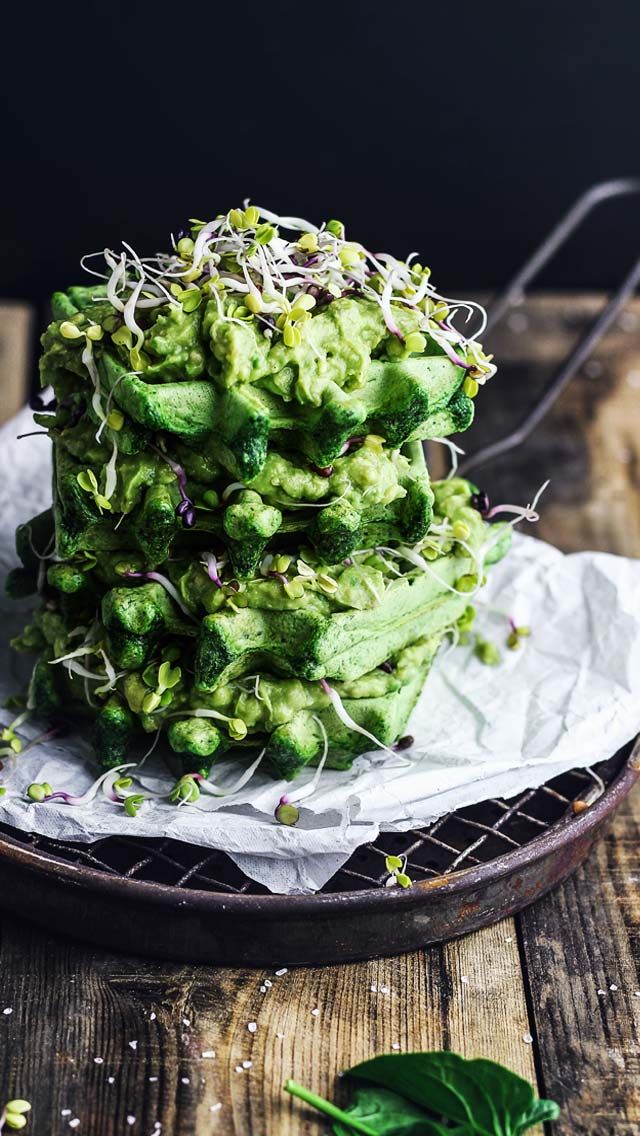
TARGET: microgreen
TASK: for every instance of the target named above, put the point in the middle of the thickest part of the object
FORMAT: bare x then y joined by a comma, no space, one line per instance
397,869
516,635
433,1094
243,261
487,652
88,481
14,1114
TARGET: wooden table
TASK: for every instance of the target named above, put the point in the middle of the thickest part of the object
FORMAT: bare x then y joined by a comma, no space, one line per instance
122,1043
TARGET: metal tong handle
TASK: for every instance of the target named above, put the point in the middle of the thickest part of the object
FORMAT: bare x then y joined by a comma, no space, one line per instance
514,293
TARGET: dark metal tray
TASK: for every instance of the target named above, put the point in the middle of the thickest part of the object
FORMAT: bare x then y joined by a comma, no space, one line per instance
173,900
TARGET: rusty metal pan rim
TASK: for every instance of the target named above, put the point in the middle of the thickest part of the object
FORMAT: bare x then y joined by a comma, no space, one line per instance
563,832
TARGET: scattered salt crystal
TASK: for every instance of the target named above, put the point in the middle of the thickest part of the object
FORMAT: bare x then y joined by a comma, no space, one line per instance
184,1080
283,970
315,1012
238,1068
613,986
98,1060
74,1123
509,939
252,1027
152,1079
636,993
602,992
384,989
111,1080
527,1038
396,1045
152,1016
131,1120
280,1035
263,990
247,1064
208,1053
66,1112
8,1010
133,1044
186,1021
268,982
464,978
373,988
215,1107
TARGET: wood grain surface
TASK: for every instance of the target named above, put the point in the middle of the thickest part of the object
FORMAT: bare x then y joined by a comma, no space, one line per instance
124,1045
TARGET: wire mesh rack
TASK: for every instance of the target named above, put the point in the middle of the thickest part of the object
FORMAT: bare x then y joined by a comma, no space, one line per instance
466,838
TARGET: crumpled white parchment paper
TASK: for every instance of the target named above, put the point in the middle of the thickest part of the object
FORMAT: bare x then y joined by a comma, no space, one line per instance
570,697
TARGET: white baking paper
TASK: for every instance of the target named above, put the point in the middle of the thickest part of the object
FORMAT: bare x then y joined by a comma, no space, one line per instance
570,697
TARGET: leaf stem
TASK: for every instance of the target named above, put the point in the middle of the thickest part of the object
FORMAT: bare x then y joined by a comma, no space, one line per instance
329,1109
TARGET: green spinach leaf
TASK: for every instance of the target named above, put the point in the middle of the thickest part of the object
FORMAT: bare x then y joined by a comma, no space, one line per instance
434,1094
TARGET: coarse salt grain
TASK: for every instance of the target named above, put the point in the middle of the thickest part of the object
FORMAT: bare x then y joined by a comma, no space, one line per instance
252,1027
464,978
111,1080
153,1079
208,1053
66,1112
152,1016
98,1060
384,989
247,1064
636,993
239,1069
283,970
315,1012
263,990
184,1080
131,1120
268,983
186,1021
215,1107
133,1045
527,1038
395,1045
602,992
74,1123
280,1035
613,986
7,1010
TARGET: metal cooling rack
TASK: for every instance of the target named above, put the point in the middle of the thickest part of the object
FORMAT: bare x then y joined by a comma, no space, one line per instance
466,838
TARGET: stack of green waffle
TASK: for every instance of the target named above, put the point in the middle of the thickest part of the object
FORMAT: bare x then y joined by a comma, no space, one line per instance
245,552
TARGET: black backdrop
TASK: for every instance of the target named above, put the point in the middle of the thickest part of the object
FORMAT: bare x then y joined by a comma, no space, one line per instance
460,129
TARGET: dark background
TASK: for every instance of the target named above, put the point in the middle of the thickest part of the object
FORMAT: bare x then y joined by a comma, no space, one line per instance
460,129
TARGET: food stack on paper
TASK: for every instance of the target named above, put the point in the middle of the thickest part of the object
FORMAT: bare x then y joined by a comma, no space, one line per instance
245,553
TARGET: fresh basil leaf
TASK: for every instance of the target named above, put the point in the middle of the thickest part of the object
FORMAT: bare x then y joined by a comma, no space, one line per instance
481,1097
388,1114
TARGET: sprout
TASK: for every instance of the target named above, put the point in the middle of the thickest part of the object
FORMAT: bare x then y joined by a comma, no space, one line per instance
43,793
236,727
522,512
242,254
283,811
397,869
158,578
211,564
454,451
213,790
346,718
185,509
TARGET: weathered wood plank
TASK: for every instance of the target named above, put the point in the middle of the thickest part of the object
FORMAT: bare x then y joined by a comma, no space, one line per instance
581,949
72,1005
16,329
